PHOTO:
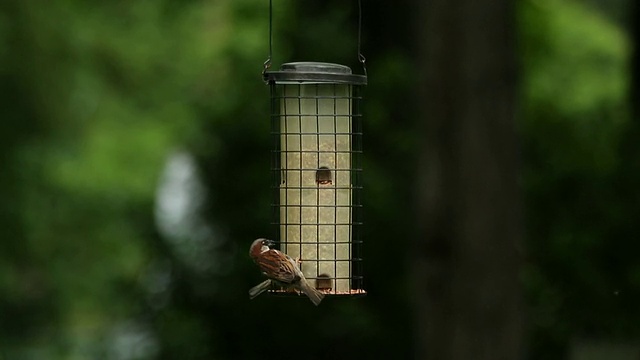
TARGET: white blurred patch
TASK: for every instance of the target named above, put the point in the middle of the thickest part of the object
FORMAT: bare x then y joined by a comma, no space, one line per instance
180,201
132,341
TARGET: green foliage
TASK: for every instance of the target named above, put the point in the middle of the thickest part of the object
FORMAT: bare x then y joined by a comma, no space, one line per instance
102,96
575,82
99,97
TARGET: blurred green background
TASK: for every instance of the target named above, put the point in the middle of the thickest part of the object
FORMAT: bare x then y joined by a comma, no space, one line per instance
134,173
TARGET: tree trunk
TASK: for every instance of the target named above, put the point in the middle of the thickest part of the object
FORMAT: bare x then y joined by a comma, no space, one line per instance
467,255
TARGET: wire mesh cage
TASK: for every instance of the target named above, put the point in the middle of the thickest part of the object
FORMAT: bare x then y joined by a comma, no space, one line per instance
316,168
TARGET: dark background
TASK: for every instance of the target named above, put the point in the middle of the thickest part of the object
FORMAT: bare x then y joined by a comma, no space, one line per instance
134,174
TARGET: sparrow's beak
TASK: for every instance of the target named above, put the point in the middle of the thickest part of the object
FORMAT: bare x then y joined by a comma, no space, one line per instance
269,242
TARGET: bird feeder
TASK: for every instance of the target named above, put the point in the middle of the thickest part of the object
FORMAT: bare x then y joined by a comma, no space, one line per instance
316,126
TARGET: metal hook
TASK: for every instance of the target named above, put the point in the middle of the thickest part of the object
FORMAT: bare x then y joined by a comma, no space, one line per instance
267,63
361,57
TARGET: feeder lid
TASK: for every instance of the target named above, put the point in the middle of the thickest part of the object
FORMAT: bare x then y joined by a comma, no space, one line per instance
314,72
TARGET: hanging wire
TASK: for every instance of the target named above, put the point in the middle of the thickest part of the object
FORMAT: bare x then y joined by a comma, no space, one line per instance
361,57
267,63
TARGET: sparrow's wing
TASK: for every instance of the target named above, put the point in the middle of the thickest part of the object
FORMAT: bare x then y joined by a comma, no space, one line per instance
277,267
295,266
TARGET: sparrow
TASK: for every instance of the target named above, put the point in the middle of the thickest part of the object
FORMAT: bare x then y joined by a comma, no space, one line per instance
281,269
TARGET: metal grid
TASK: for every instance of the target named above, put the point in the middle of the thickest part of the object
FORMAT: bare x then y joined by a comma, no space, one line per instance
316,168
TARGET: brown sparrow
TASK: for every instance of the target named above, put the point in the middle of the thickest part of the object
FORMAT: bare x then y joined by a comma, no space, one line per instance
281,269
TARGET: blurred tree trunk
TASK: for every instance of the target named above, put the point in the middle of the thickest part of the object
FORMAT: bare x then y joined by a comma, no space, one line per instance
467,256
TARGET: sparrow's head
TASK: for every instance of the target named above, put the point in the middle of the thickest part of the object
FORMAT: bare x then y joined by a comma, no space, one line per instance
259,246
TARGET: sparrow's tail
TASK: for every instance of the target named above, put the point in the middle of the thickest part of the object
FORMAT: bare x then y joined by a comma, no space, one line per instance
259,289
314,295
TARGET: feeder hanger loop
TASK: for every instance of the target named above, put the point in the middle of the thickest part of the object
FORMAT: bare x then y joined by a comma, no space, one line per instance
361,58
267,63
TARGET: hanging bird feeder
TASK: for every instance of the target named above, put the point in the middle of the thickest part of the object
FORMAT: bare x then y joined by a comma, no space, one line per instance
316,127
